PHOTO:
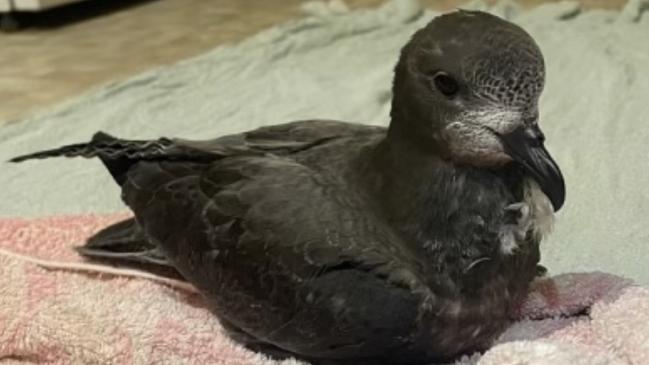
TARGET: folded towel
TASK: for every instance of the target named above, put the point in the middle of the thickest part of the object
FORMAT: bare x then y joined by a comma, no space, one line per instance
56,308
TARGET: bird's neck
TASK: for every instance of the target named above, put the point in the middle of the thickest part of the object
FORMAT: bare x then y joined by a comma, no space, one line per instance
408,174
433,203
408,133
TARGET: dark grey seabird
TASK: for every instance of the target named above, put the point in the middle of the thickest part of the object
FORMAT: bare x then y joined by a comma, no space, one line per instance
345,243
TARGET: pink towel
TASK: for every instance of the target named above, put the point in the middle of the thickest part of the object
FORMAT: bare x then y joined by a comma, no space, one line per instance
57,309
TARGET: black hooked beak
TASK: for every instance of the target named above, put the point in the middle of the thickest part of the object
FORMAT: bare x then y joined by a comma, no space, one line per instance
525,146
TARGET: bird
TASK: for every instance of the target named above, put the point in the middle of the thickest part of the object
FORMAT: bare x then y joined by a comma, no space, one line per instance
343,243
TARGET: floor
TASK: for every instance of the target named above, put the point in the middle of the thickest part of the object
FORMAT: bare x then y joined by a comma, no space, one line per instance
67,51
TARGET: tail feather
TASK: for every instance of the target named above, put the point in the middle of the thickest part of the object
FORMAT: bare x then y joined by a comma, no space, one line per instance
123,242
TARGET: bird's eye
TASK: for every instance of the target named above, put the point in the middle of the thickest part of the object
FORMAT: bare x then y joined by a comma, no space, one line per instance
446,84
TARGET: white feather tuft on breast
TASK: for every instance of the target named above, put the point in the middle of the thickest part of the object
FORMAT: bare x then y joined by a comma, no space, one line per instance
541,209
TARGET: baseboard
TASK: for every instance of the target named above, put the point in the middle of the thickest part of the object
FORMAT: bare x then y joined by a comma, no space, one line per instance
36,5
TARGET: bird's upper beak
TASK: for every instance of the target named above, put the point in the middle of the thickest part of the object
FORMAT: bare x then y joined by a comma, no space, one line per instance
525,146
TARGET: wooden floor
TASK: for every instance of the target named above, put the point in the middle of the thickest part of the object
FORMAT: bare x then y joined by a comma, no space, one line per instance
65,52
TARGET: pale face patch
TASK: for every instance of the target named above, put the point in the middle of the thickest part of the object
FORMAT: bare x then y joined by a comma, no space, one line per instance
472,144
472,137
499,119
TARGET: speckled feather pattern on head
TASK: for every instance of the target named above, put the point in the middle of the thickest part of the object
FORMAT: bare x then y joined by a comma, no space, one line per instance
344,243
509,71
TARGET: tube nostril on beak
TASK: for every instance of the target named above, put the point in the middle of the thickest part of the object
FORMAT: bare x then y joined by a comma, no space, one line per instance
536,135
525,146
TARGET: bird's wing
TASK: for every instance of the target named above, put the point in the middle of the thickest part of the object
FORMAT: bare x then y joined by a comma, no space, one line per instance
283,139
280,250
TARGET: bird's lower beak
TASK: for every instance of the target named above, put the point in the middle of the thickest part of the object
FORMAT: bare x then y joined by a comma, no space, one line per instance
525,146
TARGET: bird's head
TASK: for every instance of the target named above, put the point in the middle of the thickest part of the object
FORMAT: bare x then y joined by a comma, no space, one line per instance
467,86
